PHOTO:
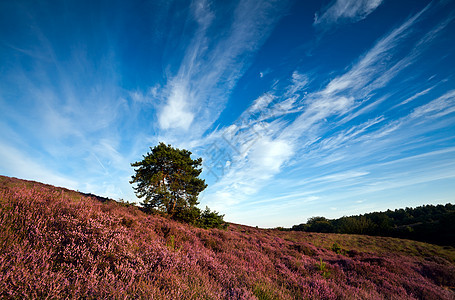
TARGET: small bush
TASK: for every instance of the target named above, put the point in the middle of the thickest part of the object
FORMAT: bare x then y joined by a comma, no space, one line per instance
206,219
211,219
337,248
322,267
188,215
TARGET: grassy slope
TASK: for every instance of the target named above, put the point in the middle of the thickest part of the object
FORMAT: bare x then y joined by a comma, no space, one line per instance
57,243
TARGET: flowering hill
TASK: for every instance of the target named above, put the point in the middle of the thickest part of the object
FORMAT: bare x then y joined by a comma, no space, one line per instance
56,243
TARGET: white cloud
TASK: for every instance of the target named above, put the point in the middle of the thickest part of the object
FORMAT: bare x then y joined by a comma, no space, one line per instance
421,174
323,148
415,96
351,90
341,176
416,158
350,135
319,108
349,11
259,158
211,66
202,13
177,113
299,83
439,107
373,64
365,109
261,103
341,93
137,96
269,155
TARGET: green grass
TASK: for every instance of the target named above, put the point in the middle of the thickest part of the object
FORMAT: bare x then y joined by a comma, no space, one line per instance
380,245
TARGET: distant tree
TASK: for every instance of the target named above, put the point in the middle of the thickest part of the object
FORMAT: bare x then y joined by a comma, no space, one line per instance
300,227
319,224
427,223
357,225
168,179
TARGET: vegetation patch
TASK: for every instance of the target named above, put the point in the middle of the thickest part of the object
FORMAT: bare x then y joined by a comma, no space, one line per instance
59,245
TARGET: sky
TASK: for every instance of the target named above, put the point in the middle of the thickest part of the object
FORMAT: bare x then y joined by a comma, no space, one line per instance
298,108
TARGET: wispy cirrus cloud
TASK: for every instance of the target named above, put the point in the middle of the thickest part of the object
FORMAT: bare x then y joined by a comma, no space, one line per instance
437,108
374,63
280,120
350,90
415,96
210,68
345,11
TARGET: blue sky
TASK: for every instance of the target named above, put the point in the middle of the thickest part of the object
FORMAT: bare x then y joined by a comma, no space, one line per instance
298,108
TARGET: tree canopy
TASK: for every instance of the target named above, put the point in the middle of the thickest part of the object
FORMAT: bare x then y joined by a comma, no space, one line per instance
168,179
428,223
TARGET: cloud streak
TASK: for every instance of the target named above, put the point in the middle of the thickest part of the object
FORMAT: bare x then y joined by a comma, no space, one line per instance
211,68
345,11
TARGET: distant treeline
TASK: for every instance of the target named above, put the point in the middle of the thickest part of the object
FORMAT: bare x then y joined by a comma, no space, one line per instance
428,223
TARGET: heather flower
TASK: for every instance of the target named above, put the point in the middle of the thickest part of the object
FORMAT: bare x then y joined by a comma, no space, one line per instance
55,243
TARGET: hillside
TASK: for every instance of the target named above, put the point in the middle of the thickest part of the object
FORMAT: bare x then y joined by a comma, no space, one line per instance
58,244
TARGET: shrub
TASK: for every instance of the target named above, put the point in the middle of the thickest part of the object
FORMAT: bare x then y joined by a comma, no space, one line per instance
211,219
337,248
322,267
188,215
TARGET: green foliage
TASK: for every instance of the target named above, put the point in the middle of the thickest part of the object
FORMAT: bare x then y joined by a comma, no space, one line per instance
318,224
211,219
337,248
280,228
428,223
168,179
353,225
189,215
322,267
204,219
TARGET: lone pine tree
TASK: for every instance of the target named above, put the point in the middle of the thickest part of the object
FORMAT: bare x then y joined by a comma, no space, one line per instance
168,179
